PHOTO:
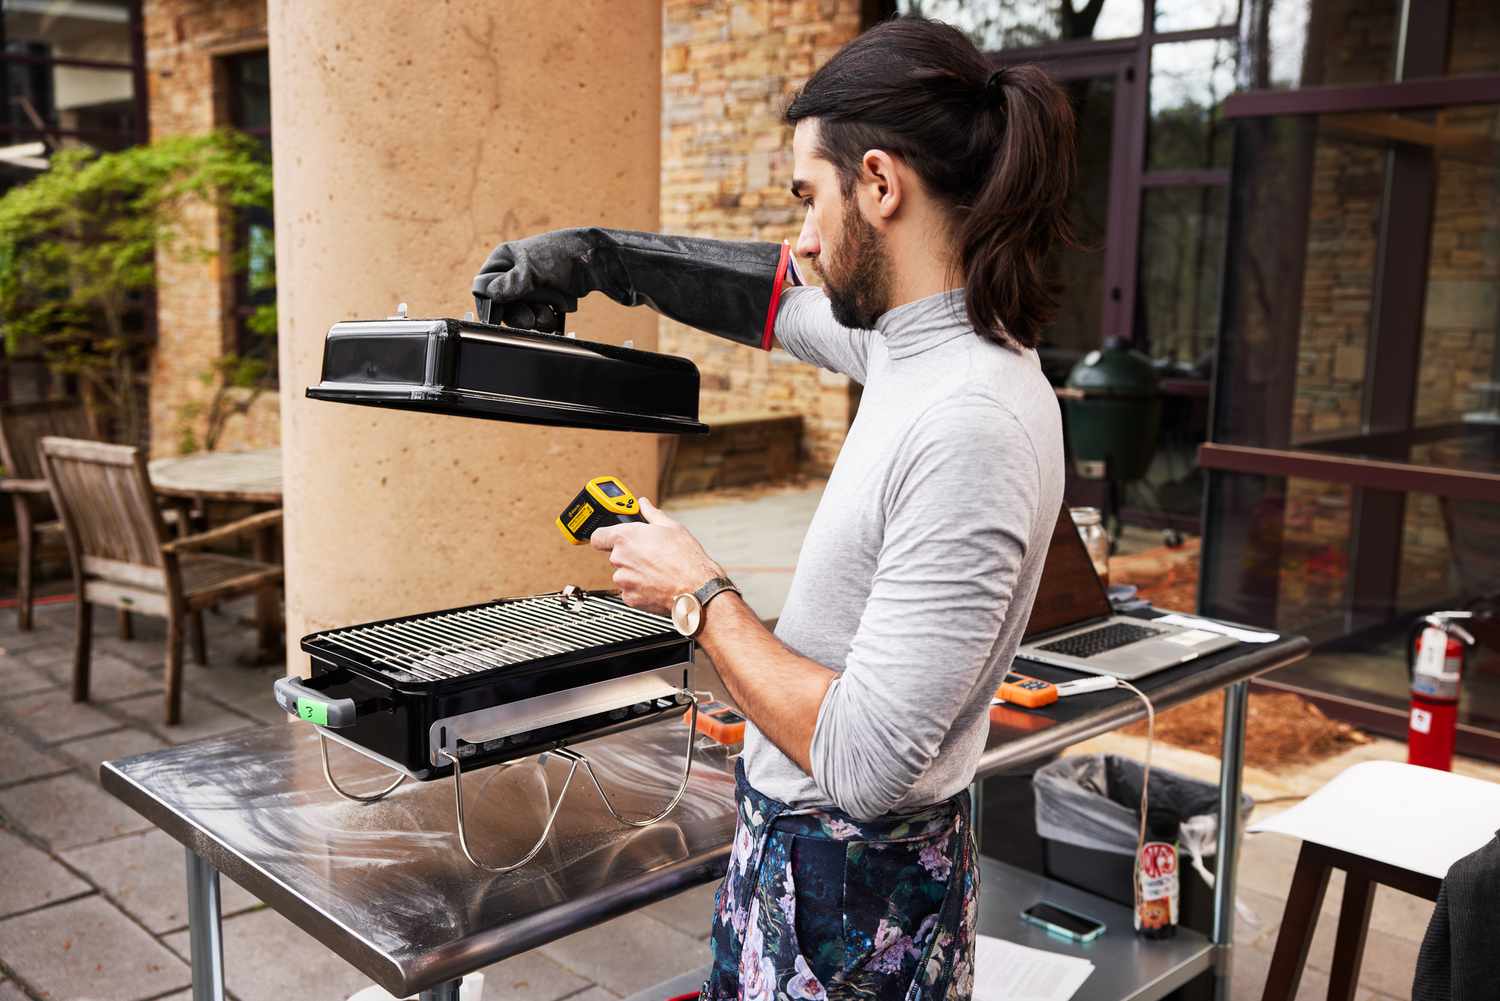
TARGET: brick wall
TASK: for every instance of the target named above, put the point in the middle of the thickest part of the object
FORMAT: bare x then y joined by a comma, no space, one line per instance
728,69
183,40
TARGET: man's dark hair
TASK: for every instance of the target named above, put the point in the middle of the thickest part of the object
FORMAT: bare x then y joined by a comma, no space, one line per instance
997,146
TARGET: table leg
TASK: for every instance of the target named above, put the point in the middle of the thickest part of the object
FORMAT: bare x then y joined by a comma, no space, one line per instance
205,934
1349,942
1299,920
1231,777
267,608
442,992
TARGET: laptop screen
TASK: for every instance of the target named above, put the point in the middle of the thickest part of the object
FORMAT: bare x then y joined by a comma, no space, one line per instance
1070,592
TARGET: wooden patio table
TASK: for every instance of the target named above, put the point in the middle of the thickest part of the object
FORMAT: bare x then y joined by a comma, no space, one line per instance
252,477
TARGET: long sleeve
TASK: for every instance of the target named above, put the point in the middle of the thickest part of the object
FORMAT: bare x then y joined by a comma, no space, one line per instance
805,328
960,507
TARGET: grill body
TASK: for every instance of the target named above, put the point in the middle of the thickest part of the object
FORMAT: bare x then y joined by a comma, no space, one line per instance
498,680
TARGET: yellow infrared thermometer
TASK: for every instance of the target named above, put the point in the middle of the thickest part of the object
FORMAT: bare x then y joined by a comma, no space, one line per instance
604,500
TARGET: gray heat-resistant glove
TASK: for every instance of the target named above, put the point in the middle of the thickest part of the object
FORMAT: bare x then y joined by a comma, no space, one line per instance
728,288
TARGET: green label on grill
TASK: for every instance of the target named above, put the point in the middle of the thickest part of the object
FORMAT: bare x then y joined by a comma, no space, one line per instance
313,712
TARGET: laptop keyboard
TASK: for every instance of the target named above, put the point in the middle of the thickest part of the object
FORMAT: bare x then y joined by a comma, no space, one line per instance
1097,641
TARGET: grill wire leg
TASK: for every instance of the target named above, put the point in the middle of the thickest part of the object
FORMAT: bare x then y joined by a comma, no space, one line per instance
575,759
356,797
687,769
463,834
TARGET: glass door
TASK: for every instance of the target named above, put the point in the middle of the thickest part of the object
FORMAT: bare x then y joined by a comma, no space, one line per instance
1098,277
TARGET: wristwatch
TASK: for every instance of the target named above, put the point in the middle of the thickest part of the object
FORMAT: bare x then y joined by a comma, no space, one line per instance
687,608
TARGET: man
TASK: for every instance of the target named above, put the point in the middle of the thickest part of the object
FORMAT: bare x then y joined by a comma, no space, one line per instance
934,188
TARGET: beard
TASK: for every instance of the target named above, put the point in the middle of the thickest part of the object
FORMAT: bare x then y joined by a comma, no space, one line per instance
857,280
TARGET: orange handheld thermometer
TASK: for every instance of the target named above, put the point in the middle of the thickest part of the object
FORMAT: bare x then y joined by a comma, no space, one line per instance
719,723
604,500
1033,693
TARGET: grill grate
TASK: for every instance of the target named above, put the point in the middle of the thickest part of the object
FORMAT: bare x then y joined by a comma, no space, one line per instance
469,640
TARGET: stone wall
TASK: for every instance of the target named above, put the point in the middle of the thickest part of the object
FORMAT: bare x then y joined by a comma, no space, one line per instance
1337,288
728,69
184,40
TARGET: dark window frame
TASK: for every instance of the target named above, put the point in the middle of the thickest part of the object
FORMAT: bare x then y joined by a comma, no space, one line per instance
1405,95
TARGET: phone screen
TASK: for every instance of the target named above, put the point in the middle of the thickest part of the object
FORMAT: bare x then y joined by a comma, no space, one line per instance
1074,924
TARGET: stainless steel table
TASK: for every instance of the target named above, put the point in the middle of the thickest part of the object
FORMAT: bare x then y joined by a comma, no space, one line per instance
385,886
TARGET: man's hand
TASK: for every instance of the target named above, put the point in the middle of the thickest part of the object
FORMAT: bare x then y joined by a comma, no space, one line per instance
656,561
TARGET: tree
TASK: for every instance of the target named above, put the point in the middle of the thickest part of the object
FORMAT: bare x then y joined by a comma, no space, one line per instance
78,252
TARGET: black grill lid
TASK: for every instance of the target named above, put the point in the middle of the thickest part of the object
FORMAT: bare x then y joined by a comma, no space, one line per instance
472,369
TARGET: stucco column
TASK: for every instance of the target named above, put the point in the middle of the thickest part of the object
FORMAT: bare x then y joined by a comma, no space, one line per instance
409,139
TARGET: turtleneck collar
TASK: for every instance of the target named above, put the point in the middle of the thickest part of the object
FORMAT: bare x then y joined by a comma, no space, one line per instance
923,324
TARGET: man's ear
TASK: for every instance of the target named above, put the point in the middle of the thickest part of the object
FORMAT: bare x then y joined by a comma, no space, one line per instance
881,183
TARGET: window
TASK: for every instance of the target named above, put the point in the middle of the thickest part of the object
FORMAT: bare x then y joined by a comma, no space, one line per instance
246,79
1309,43
1189,81
1013,24
71,74
1190,15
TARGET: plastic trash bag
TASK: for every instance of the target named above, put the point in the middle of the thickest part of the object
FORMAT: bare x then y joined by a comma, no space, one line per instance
1093,801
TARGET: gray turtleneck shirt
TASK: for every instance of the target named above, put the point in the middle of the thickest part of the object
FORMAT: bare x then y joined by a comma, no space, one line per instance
918,572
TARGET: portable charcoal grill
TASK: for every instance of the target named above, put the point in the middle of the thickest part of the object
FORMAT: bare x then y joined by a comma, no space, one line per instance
432,694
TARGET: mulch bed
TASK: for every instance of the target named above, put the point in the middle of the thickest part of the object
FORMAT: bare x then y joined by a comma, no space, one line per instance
1281,730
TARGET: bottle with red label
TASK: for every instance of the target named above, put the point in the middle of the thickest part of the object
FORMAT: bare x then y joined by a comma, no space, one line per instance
1157,885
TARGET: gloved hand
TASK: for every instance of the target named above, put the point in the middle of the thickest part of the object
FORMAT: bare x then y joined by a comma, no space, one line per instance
727,288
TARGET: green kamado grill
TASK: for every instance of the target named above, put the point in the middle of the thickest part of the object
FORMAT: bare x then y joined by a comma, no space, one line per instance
1113,417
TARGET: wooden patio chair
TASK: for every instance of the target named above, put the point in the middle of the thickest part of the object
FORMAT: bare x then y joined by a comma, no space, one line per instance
22,425
123,558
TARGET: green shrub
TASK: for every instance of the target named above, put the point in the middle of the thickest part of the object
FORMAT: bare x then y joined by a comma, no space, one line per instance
78,252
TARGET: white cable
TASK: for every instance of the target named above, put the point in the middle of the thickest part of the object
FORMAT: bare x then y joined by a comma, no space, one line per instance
1140,842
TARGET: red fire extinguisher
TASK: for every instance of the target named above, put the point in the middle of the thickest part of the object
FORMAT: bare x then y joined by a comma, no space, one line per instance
1435,661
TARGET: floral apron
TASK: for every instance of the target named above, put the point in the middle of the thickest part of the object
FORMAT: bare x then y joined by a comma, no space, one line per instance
819,905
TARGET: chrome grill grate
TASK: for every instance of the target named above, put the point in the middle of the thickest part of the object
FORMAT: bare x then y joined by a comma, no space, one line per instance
469,640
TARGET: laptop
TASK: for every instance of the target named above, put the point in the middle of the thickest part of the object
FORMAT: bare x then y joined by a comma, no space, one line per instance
1072,624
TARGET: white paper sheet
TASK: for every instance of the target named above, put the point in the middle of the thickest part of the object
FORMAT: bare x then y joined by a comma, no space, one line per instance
1004,971
1223,629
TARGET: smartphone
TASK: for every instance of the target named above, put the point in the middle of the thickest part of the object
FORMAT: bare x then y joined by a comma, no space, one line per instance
1063,924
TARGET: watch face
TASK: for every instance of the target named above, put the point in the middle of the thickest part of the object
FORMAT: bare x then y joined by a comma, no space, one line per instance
687,614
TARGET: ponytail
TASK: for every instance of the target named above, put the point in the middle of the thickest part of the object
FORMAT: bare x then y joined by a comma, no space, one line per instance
995,146
1019,212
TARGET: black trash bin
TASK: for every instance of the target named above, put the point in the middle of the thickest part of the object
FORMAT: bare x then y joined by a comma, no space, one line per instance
1088,819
